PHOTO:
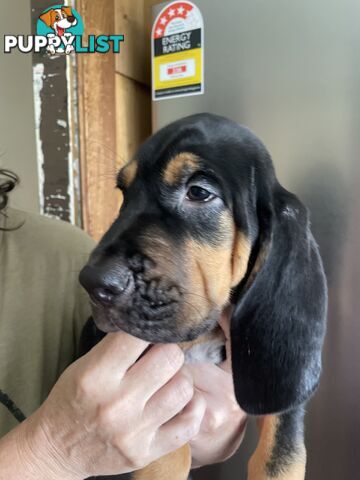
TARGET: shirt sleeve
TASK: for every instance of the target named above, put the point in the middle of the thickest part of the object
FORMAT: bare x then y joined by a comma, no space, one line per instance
82,310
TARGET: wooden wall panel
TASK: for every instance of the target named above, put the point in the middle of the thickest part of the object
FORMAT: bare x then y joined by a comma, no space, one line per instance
133,19
114,103
130,20
96,87
133,96
133,116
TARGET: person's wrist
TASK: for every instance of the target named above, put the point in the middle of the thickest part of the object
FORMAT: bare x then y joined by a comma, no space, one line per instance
37,453
224,443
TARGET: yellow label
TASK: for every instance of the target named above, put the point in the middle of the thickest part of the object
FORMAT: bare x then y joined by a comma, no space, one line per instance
166,62
177,43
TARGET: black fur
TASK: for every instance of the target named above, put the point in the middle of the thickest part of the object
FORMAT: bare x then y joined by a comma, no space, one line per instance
288,442
278,323
90,336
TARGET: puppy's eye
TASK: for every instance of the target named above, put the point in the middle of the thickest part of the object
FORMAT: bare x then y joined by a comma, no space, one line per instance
199,194
57,17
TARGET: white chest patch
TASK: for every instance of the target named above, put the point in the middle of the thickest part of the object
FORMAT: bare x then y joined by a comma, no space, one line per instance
211,351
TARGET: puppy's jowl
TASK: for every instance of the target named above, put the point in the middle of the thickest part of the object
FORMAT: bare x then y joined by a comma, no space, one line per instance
204,224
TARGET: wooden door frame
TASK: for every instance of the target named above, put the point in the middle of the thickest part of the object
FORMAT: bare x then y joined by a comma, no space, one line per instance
114,104
97,117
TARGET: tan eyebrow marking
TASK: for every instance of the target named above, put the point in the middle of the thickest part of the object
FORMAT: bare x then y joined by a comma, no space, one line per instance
177,165
128,173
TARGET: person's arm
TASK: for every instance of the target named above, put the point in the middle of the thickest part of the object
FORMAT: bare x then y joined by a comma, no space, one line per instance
101,409
22,457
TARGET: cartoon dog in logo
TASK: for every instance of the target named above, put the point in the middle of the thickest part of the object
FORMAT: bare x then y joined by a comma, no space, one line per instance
59,19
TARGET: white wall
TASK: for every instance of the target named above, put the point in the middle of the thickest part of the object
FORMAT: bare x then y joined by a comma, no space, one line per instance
17,126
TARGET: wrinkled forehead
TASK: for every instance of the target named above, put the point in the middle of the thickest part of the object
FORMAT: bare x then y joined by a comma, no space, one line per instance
211,145
172,172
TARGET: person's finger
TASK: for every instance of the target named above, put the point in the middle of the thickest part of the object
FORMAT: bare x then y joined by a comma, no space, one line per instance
170,399
206,376
115,354
217,387
182,428
154,369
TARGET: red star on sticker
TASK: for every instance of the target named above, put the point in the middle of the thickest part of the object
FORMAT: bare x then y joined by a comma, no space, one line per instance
181,10
163,20
171,12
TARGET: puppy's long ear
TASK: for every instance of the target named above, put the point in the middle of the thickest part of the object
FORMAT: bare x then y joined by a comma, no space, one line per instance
278,324
46,18
68,11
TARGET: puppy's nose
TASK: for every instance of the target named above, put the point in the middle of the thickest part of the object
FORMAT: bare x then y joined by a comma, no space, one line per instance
71,18
104,285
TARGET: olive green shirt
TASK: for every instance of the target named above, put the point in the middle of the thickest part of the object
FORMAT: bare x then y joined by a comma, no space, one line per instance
42,306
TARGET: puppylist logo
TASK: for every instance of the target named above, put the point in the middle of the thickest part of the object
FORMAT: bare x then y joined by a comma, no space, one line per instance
60,29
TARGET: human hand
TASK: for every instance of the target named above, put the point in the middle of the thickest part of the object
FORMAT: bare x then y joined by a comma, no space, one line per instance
224,423
108,415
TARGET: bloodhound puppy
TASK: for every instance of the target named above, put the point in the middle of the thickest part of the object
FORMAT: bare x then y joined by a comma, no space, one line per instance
204,224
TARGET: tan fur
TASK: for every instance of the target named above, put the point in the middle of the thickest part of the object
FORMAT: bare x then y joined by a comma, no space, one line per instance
208,285
205,272
257,465
47,18
296,471
207,337
259,262
267,429
214,270
176,166
240,257
128,173
174,466
67,10
159,248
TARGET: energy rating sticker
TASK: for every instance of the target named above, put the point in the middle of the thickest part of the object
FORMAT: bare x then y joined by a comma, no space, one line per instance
177,47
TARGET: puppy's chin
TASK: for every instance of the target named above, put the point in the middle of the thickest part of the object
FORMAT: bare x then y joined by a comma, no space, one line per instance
153,331
104,324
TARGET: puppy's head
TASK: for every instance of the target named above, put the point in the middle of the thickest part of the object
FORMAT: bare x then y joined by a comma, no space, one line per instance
59,17
204,222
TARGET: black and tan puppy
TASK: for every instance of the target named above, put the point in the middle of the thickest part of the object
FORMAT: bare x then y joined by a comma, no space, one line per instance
205,223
